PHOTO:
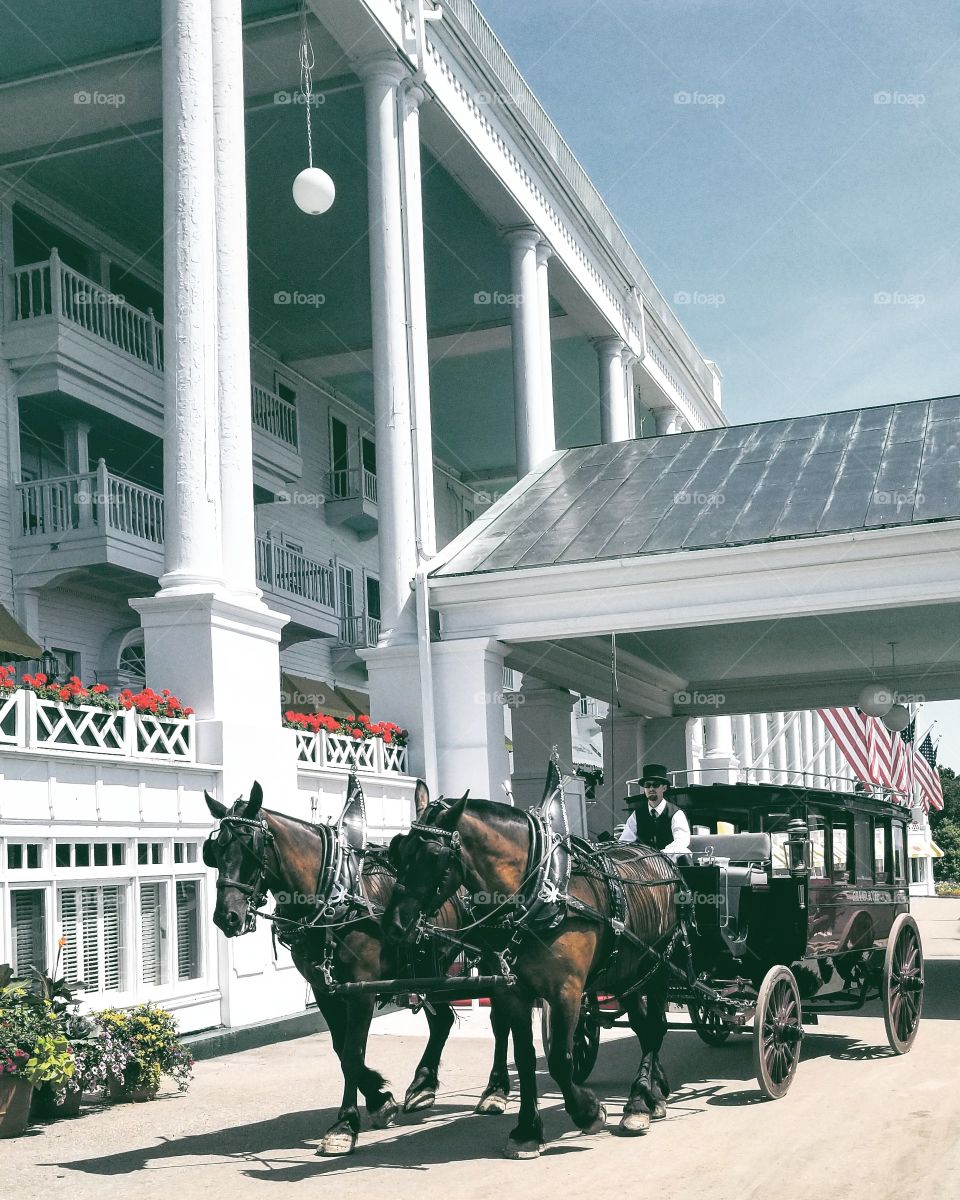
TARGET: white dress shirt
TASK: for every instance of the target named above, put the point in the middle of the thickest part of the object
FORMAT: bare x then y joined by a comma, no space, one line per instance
679,827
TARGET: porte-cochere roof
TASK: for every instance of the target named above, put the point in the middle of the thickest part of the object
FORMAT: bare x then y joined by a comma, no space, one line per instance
796,478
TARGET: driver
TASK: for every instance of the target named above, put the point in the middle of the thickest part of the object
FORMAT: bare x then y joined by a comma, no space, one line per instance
653,820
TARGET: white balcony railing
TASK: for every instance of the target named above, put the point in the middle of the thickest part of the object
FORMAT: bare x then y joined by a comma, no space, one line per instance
359,631
30,723
351,483
275,416
323,750
93,500
53,289
288,570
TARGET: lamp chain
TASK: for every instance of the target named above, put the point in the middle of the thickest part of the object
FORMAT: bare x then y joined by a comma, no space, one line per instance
307,62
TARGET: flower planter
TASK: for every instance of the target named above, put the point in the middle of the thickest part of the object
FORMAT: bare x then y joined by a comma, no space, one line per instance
15,1094
46,1108
124,1093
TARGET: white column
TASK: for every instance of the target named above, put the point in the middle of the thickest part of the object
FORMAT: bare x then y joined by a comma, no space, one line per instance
546,343
744,748
468,692
233,314
719,762
668,420
391,370
624,740
779,750
76,448
411,99
533,427
629,391
614,415
191,466
758,729
795,749
540,721
806,740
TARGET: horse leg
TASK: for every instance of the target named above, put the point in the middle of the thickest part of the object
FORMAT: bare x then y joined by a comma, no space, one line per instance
527,1138
493,1102
650,1089
582,1105
422,1092
341,1137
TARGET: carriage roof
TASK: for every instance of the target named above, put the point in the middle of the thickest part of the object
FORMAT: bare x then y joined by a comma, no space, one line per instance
770,798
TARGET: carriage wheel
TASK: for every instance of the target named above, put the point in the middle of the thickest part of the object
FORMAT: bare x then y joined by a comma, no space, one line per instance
708,1024
902,988
586,1036
777,1032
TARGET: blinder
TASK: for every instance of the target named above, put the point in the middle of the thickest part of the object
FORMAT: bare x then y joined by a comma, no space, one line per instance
257,848
449,861
209,851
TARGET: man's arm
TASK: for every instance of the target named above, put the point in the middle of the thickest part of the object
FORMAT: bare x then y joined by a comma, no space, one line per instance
630,829
680,828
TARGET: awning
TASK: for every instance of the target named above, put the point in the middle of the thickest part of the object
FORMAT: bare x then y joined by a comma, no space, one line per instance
305,695
919,846
16,645
585,753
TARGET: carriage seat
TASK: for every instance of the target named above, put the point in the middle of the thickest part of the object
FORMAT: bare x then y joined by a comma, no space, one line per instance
734,847
740,858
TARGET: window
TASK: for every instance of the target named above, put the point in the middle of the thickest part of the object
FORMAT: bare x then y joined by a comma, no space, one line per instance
285,391
373,598
87,854
918,870
188,929
842,852
133,661
339,459
24,856
28,923
899,854
345,590
91,921
149,854
153,933
881,851
368,455
818,845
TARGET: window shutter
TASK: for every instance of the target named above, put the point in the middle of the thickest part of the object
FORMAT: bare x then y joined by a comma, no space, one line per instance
28,931
90,938
112,925
188,929
91,920
152,932
70,930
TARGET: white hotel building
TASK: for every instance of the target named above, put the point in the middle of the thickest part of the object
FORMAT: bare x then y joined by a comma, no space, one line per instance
233,435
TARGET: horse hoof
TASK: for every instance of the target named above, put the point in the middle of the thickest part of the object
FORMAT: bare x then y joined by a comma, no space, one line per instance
492,1104
518,1150
415,1101
635,1124
385,1115
598,1122
659,1112
337,1143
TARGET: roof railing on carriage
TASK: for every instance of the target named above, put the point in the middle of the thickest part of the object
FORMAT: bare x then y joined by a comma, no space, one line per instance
779,777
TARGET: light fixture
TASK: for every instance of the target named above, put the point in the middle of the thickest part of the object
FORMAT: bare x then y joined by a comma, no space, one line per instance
875,700
897,719
313,189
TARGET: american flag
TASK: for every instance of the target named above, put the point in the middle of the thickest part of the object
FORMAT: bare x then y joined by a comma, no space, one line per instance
927,775
876,755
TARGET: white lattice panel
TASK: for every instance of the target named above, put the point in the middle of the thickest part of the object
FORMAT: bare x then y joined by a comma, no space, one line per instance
165,737
351,753
75,727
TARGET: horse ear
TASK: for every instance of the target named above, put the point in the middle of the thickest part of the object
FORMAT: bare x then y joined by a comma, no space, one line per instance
465,794
217,809
256,799
421,798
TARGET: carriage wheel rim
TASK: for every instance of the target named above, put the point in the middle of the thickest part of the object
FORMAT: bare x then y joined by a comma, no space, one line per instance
780,1043
905,994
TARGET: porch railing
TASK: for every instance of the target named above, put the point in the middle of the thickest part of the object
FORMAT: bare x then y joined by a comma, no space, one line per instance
52,288
359,631
289,570
324,750
92,500
351,483
276,416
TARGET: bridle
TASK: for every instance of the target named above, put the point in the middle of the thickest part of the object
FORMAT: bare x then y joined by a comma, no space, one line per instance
258,847
450,861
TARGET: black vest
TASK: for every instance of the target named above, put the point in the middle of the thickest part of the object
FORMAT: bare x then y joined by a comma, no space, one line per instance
656,831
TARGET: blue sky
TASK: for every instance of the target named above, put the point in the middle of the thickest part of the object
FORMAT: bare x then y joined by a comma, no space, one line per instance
792,167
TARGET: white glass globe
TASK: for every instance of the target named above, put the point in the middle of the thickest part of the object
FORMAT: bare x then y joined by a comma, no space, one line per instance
313,191
897,718
875,700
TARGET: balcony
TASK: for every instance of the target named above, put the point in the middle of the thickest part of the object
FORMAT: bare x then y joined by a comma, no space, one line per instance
71,334
359,632
352,500
75,522
299,586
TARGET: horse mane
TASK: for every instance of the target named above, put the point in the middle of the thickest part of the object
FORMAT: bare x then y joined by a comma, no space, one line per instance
481,808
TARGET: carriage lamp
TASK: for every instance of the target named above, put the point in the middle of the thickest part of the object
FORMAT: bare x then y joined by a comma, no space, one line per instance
798,847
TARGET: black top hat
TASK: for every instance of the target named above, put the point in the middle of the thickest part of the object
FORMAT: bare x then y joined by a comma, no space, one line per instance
654,773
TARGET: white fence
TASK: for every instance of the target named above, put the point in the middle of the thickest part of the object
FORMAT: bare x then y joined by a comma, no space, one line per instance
29,723
275,416
325,750
290,571
94,500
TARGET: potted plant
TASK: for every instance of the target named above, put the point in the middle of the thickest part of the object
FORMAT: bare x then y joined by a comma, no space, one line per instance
33,1050
55,1095
145,1041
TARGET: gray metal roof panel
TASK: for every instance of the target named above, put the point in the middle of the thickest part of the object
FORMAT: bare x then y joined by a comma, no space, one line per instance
798,477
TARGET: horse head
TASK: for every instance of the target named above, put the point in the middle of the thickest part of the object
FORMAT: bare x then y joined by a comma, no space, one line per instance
238,850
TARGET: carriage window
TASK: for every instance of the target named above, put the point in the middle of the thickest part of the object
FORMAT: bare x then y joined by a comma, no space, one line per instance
899,854
881,851
842,852
818,846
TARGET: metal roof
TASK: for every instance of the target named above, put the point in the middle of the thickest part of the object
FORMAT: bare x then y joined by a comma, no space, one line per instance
732,486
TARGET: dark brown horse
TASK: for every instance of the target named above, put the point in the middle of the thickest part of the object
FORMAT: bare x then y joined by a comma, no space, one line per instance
255,851
485,846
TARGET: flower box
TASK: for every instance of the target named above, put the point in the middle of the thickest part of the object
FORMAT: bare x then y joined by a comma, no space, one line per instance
15,1096
325,750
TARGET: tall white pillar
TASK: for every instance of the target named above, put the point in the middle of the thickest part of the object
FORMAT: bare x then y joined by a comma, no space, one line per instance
381,77
667,419
534,427
719,762
76,447
759,737
624,742
795,749
743,747
540,721
233,311
614,415
546,343
191,444
629,391
411,98
779,749
468,692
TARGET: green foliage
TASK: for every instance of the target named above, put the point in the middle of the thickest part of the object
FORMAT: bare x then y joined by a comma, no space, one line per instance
145,1039
945,827
52,1061
29,1032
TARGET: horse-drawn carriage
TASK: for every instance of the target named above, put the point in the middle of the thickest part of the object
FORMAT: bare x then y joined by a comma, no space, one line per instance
802,910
